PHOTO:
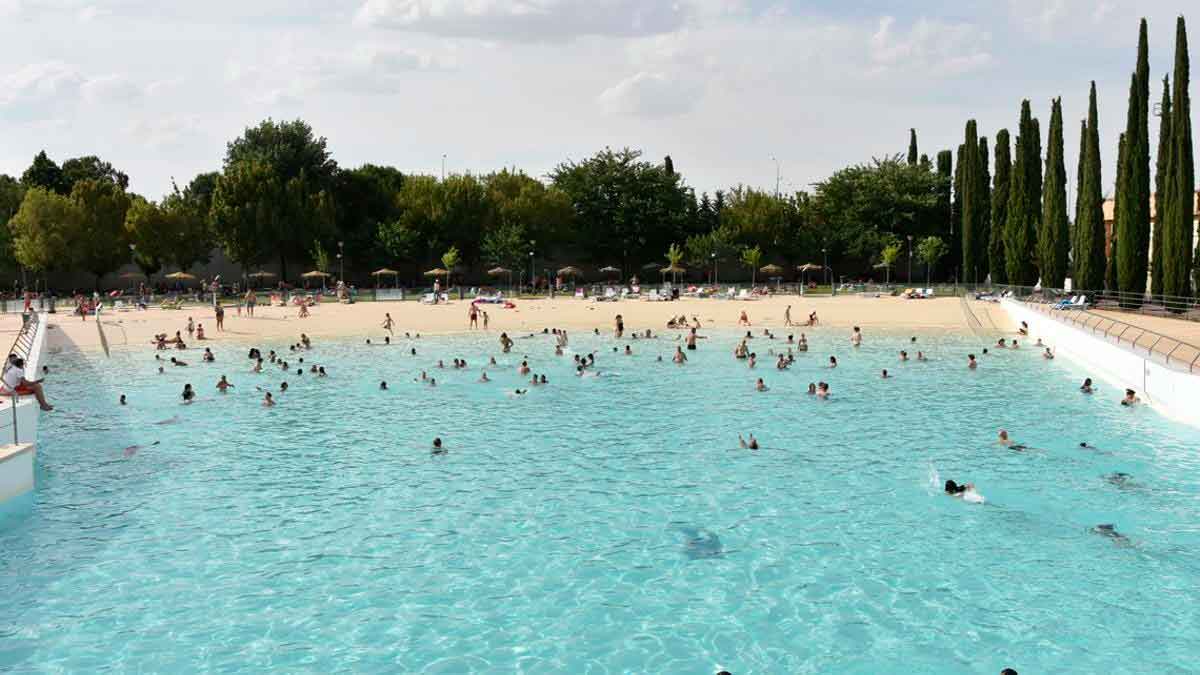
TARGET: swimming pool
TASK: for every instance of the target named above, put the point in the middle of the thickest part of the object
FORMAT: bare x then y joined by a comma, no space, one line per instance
605,524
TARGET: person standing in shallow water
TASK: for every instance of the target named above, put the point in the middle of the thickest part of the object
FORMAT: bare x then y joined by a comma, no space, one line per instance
619,328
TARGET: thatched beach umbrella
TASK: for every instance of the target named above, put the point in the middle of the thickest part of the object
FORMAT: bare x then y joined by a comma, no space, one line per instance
888,274
609,270
773,270
570,271
315,274
804,269
673,269
181,276
132,275
502,271
383,272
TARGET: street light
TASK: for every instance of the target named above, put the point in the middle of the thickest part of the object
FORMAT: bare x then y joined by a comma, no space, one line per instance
531,286
773,159
910,259
341,262
714,260
825,271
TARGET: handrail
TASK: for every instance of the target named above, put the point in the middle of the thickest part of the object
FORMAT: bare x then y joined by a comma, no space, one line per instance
1173,306
21,347
1105,325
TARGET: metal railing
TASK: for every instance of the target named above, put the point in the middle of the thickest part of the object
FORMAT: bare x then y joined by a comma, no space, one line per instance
1172,352
21,347
1167,306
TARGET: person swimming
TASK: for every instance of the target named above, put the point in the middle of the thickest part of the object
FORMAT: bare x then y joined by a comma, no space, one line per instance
884,375
383,385
1086,387
751,444
812,388
971,363
189,394
761,386
833,362
483,377
822,390
268,400
1131,398
856,337
1048,354
903,355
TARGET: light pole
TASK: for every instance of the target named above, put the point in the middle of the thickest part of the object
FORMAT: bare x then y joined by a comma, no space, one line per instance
132,258
341,262
443,166
713,255
825,271
910,259
531,287
773,159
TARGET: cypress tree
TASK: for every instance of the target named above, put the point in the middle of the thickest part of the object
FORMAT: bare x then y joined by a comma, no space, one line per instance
1133,235
925,162
1178,204
984,225
912,147
999,209
1075,247
1090,262
1053,235
1160,186
1024,203
954,256
945,169
969,181
1110,270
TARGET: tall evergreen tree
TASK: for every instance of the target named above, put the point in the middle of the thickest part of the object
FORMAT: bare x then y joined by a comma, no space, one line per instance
1160,187
1075,249
983,240
1110,269
1133,235
1178,204
1054,235
945,169
912,147
1090,262
970,181
1024,203
956,217
999,208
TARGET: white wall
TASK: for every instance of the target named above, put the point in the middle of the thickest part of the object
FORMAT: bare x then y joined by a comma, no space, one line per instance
1174,393
16,470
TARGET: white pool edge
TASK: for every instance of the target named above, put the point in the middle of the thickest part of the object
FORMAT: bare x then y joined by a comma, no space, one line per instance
1173,393
19,419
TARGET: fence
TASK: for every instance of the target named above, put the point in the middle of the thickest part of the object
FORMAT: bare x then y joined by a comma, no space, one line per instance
1169,306
1172,352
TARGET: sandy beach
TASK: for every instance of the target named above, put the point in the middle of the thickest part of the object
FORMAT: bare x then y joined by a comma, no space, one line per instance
329,320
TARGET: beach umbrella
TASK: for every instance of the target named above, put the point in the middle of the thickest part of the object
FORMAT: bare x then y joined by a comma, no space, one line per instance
650,266
774,270
609,270
315,274
888,267
499,271
806,267
673,269
181,276
384,271
436,272
570,271
132,275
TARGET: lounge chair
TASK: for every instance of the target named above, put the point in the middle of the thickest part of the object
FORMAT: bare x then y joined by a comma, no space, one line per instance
928,293
1066,302
177,303
1079,302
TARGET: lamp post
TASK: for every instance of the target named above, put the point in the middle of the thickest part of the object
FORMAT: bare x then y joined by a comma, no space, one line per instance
825,271
443,166
773,159
341,262
132,258
531,286
910,260
713,255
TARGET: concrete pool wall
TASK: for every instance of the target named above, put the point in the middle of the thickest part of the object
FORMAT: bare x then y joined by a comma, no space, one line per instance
19,422
1175,393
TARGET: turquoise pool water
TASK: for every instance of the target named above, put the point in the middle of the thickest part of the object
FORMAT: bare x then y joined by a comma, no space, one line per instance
602,525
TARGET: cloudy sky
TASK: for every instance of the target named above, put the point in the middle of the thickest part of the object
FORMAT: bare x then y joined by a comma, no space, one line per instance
720,85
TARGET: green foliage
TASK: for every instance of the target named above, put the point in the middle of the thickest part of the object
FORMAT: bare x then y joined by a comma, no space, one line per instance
1133,196
752,258
858,206
890,253
1178,204
320,257
1090,262
912,147
451,259
1054,234
1024,203
100,246
46,174
505,245
1160,189
1003,162
674,255
625,205
971,186
702,249
930,250
44,230
149,228
91,167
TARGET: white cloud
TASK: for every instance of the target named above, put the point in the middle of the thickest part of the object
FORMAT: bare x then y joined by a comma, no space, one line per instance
526,20
929,47
653,95
109,89
164,132
91,12
39,84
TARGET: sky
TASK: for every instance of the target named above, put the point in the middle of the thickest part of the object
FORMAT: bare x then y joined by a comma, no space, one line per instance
735,91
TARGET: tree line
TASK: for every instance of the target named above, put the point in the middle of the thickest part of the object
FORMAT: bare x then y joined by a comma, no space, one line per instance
1014,227
994,210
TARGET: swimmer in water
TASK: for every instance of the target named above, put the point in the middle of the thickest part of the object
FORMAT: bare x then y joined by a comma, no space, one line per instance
751,444
383,385
520,392
833,362
856,337
484,378
812,388
1003,439
679,357
1047,354
971,363
223,385
1109,530
437,447
189,394
760,385
1086,387
122,401
523,369
885,375
1131,398
823,390
921,356
903,355
1000,344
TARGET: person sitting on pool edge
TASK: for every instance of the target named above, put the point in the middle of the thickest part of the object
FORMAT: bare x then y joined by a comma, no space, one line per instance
15,383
